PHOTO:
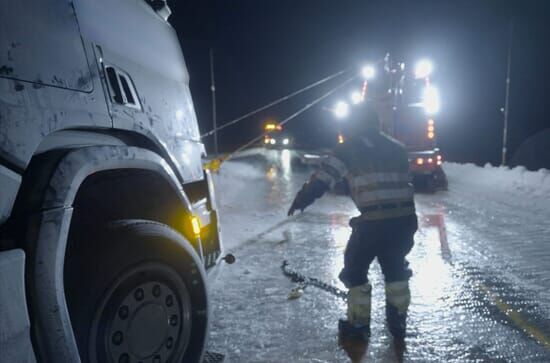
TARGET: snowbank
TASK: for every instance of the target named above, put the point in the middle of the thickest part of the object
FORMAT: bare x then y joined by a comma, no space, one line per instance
518,183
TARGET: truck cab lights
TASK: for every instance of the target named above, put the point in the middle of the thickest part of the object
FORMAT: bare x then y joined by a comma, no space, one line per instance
272,127
430,160
431,129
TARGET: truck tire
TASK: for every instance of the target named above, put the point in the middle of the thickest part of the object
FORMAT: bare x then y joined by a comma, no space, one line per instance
136,293
440,179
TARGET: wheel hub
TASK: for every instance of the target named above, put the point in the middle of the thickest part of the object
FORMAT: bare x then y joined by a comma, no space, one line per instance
149,318
145,320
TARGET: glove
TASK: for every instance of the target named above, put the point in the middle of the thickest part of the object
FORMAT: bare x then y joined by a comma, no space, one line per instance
310,191
296,205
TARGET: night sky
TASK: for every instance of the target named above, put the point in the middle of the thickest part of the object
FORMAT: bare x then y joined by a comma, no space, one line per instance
266,49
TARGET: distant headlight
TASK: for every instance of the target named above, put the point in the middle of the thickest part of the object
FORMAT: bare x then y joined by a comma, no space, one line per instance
286,141
272,141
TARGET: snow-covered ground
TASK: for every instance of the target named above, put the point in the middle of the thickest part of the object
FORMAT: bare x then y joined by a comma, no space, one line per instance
481,267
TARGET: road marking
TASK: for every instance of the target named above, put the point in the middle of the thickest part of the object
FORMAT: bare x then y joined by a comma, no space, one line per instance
438,221
516,317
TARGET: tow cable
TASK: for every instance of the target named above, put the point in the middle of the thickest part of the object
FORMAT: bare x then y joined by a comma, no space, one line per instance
305,281
215,164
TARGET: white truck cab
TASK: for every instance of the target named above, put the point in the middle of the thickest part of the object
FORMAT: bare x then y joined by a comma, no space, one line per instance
108,223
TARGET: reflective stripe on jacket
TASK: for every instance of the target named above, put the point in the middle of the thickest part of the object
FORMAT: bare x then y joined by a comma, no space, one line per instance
376,169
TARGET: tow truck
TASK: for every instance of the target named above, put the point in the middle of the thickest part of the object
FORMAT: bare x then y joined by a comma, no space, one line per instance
407,103
109,228
418,133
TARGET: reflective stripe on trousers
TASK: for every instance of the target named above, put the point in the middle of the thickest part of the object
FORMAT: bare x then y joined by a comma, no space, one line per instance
398,295
359,305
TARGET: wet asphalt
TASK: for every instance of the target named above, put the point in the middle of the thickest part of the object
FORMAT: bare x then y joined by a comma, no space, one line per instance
479,289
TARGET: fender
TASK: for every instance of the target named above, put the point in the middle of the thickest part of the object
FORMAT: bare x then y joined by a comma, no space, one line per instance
47,235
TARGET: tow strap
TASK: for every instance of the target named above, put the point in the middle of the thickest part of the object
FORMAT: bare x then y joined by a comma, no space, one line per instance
305,281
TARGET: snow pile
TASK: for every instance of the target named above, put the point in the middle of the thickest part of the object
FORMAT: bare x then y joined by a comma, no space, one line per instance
533,187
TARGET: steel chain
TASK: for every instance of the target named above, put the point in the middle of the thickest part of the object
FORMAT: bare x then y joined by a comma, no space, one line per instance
305,281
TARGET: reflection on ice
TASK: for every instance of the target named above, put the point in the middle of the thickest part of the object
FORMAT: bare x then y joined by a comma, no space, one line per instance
431,274
286,165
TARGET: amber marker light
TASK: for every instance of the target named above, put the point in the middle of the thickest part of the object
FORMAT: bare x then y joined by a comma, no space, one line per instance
196,225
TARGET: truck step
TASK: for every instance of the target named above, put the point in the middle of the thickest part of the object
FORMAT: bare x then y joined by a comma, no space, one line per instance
212,357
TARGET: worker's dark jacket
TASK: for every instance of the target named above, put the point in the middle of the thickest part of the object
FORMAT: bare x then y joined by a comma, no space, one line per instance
375,168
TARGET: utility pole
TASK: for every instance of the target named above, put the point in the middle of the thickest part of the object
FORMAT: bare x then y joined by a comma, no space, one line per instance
507,99
213,90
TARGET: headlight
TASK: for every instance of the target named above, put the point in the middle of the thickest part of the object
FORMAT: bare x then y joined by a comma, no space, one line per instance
286,141
272,141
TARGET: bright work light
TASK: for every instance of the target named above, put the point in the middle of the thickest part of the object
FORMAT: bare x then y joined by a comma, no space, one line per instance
423,68
356,98
430,100
368,72
341,110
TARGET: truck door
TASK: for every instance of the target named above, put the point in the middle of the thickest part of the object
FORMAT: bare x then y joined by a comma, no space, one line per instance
147,77
46,82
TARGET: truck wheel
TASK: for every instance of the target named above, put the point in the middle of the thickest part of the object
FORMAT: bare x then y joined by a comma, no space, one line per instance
440,179
138,295
431,183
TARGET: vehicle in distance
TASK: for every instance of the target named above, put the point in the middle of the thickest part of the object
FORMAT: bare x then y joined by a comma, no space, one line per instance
276,137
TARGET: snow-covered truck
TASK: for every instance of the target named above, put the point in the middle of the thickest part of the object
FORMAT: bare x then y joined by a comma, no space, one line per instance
108,224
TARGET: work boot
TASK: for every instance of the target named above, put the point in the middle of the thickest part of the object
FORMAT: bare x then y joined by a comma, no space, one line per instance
399,348
352,340
359,306
398,298
354,333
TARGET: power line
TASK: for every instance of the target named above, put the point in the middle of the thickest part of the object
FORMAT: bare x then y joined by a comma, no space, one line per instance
291,117
271,104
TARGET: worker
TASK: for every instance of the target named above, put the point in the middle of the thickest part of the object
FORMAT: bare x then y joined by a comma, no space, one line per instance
375,170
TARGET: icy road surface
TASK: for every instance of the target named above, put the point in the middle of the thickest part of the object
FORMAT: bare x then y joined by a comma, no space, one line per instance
481,284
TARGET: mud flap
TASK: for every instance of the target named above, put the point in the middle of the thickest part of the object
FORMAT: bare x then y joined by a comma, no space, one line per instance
211,357
15,340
